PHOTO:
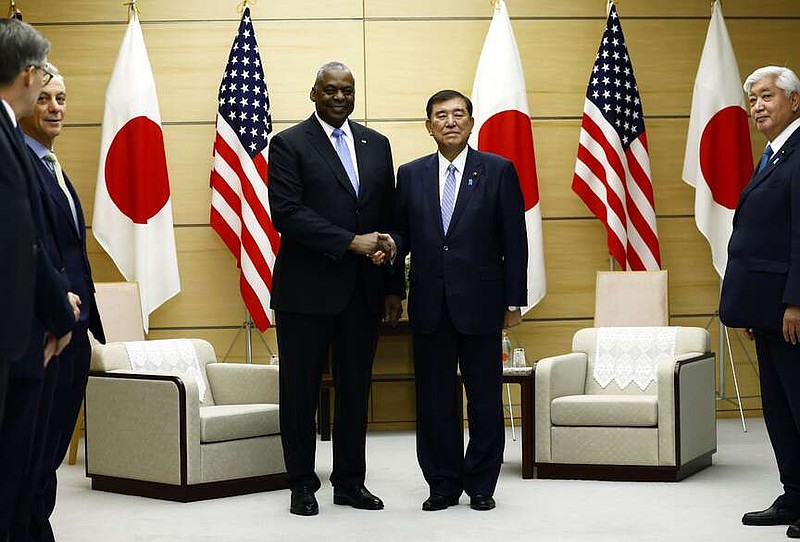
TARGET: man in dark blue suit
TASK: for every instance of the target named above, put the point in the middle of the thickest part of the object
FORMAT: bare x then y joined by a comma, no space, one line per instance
460,214
37,324
761,288
331,188
66,376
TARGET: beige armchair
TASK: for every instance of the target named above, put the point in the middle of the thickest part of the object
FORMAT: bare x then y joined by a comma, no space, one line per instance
208,434
593,422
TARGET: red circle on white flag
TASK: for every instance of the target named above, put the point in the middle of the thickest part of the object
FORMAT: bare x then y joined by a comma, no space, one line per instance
136,170
509,134
725,155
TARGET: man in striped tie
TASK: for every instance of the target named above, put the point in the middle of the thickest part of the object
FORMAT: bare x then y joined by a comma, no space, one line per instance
65,379
761,288
460,214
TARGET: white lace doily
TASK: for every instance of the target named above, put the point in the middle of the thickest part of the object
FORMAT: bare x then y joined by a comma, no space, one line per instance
632,354
169,356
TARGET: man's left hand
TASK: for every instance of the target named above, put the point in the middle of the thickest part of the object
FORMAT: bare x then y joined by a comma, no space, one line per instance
512,318
791,324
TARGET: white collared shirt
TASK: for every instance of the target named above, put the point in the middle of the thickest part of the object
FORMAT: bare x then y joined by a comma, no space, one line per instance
460,162
10,112
787,132
348,138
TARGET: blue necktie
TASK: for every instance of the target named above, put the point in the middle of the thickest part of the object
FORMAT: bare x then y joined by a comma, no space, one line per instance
344,156
762,164
448,197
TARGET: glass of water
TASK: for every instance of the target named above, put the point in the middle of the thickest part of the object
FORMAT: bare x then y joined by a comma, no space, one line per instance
518,358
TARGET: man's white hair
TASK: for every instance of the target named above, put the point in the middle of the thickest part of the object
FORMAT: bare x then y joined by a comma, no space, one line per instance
784,78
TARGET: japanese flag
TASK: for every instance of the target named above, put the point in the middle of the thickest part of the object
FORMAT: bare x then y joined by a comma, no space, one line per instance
718,160
132,206
502,126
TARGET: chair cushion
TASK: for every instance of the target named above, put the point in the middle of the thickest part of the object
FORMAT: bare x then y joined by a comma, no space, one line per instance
605,410
232,422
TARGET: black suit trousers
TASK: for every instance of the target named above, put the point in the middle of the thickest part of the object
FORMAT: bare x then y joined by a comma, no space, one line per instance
779,374
23,512
440,444
67,398
17,433
4,365
306,342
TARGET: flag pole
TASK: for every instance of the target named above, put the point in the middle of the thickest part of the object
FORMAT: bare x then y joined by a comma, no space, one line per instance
247,326
733,372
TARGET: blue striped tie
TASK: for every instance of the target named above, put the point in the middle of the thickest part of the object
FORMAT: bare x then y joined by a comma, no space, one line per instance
448,197
344,156
762,164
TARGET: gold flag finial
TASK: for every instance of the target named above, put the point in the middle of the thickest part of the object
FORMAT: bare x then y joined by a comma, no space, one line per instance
245,3
133,8
13,12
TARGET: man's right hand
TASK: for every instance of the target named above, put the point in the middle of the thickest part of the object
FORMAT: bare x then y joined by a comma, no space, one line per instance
365,244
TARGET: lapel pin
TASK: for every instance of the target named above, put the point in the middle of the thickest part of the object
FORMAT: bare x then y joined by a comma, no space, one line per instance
364,141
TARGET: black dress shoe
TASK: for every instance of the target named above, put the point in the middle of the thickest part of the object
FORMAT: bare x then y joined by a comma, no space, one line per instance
439,502
357,497
774,515
304,503
481,502
794,530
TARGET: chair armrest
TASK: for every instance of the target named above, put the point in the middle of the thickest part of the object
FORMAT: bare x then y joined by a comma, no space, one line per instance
555,377
686,408
697,407
143,427
242,384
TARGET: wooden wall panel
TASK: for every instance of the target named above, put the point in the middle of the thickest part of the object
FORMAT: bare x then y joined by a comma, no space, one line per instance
102,11
577,8
188,76
209,294
188,148
443,54
556,143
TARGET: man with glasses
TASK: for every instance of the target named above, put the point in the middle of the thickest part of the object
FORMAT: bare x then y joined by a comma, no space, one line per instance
39,313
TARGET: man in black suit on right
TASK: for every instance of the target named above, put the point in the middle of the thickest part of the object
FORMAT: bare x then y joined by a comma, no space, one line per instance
461,215
761,288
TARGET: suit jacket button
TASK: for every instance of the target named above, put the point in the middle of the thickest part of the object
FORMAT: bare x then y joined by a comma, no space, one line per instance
445,248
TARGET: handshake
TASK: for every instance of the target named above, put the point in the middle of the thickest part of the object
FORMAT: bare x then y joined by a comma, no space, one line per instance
378,247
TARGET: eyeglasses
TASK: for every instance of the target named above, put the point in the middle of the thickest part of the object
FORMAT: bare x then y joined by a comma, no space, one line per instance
46,70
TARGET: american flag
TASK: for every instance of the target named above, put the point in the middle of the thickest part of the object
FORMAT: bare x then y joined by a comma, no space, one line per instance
239,207
612,171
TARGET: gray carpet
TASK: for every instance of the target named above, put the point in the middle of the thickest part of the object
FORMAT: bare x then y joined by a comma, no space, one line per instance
705,507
